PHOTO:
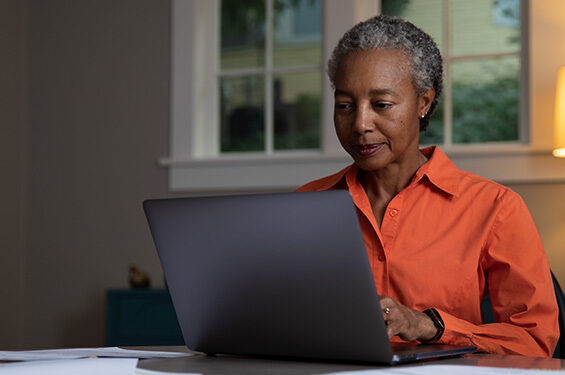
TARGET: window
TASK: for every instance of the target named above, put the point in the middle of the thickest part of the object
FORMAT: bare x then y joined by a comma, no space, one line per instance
270,72
481,45
269,75
195,163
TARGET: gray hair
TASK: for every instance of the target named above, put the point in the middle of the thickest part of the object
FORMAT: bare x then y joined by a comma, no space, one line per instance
387,32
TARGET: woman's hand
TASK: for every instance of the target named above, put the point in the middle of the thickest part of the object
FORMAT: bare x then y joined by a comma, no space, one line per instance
406,323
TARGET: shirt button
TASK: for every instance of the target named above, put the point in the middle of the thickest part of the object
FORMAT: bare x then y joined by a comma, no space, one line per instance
393,212
381,257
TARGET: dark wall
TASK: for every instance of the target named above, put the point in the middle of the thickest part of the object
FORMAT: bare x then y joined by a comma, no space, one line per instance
12,167
98,121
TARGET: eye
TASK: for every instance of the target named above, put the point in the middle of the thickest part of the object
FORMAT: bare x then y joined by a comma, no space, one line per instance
382,105
343,106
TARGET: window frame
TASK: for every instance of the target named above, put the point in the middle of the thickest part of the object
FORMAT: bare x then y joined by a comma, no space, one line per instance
194,168
450,59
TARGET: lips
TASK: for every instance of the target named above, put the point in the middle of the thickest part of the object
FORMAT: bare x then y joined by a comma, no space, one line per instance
367,149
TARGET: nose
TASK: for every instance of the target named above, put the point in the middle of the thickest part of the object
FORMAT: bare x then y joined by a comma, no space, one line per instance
363,122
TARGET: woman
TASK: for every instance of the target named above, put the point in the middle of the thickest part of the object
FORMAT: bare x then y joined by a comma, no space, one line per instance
438,239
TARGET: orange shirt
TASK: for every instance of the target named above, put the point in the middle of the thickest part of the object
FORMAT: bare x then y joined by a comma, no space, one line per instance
451,238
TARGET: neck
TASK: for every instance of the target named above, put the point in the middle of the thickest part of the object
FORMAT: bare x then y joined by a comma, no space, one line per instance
384,184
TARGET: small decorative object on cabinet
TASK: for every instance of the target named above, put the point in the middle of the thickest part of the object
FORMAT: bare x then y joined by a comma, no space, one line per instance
138,279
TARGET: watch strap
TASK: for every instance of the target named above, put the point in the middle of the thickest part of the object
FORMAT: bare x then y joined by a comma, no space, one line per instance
438,323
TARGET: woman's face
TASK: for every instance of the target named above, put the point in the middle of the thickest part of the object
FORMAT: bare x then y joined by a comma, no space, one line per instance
376,113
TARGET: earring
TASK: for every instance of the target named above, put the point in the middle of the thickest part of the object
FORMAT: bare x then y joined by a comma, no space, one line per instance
422,116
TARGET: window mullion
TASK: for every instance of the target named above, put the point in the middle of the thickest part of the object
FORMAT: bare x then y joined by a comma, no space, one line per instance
269,97
524,100
483,56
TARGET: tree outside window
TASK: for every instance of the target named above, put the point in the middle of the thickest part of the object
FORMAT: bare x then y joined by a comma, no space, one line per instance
481,45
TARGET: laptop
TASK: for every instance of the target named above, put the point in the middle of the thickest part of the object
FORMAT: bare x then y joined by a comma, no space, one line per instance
275,275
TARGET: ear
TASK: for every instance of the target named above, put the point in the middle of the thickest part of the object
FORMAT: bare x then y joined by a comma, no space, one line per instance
425,101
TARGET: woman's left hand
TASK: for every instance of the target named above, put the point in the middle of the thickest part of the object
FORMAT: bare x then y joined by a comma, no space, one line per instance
406,323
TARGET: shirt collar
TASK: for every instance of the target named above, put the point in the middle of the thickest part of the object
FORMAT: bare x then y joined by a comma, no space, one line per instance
439,170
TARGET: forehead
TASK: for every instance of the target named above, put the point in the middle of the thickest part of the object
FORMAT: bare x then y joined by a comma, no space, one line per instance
377,67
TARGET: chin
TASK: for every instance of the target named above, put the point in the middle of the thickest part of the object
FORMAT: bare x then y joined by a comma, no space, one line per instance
370,164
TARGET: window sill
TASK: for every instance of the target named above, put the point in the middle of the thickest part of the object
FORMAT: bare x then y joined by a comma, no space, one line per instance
507,164
249,173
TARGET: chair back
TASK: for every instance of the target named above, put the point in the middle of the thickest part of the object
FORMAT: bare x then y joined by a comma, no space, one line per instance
560,348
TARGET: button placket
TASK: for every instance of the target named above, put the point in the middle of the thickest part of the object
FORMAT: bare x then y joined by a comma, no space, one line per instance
390,223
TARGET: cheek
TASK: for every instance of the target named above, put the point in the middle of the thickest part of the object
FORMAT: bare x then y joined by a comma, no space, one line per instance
407,121
342,132
400,128
340,125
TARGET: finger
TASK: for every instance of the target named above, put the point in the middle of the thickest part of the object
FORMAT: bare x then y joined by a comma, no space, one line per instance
394,327
386,301
387,304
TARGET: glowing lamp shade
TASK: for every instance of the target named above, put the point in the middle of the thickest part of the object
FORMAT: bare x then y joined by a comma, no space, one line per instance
559,136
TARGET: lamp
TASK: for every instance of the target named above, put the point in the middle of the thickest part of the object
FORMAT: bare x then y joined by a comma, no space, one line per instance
559,135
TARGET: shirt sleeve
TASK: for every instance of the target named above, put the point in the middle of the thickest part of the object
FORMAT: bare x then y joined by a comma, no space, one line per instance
520,287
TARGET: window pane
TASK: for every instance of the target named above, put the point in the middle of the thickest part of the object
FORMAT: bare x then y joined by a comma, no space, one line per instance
434,133
426,14
242,113
485,26
297,31
297,98
243,34
485,100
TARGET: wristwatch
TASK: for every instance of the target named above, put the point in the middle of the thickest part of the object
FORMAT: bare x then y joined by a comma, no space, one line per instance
438,323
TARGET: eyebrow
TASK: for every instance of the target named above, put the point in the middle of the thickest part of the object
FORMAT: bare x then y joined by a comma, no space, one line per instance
372,92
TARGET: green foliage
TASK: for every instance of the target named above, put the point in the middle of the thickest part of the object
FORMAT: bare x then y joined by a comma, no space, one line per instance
299,127
243,22
254,142
486,112
243,130
434,133
482,112
394,7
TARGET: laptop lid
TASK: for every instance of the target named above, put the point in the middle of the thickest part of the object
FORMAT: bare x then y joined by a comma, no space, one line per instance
271,275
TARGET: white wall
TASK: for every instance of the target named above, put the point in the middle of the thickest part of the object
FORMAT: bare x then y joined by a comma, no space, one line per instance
83,123
547,54
547,206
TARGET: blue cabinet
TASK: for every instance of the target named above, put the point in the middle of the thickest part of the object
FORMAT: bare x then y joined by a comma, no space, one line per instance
141,317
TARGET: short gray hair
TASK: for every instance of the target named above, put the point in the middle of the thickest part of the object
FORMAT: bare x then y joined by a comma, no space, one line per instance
388,32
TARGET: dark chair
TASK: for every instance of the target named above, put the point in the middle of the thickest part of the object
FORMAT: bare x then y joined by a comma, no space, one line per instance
560,348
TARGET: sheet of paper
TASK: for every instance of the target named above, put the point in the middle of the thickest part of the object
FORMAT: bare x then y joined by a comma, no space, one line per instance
111,352
446,370
86,366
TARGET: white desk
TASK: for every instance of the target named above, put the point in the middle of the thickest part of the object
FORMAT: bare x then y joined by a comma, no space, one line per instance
224,365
